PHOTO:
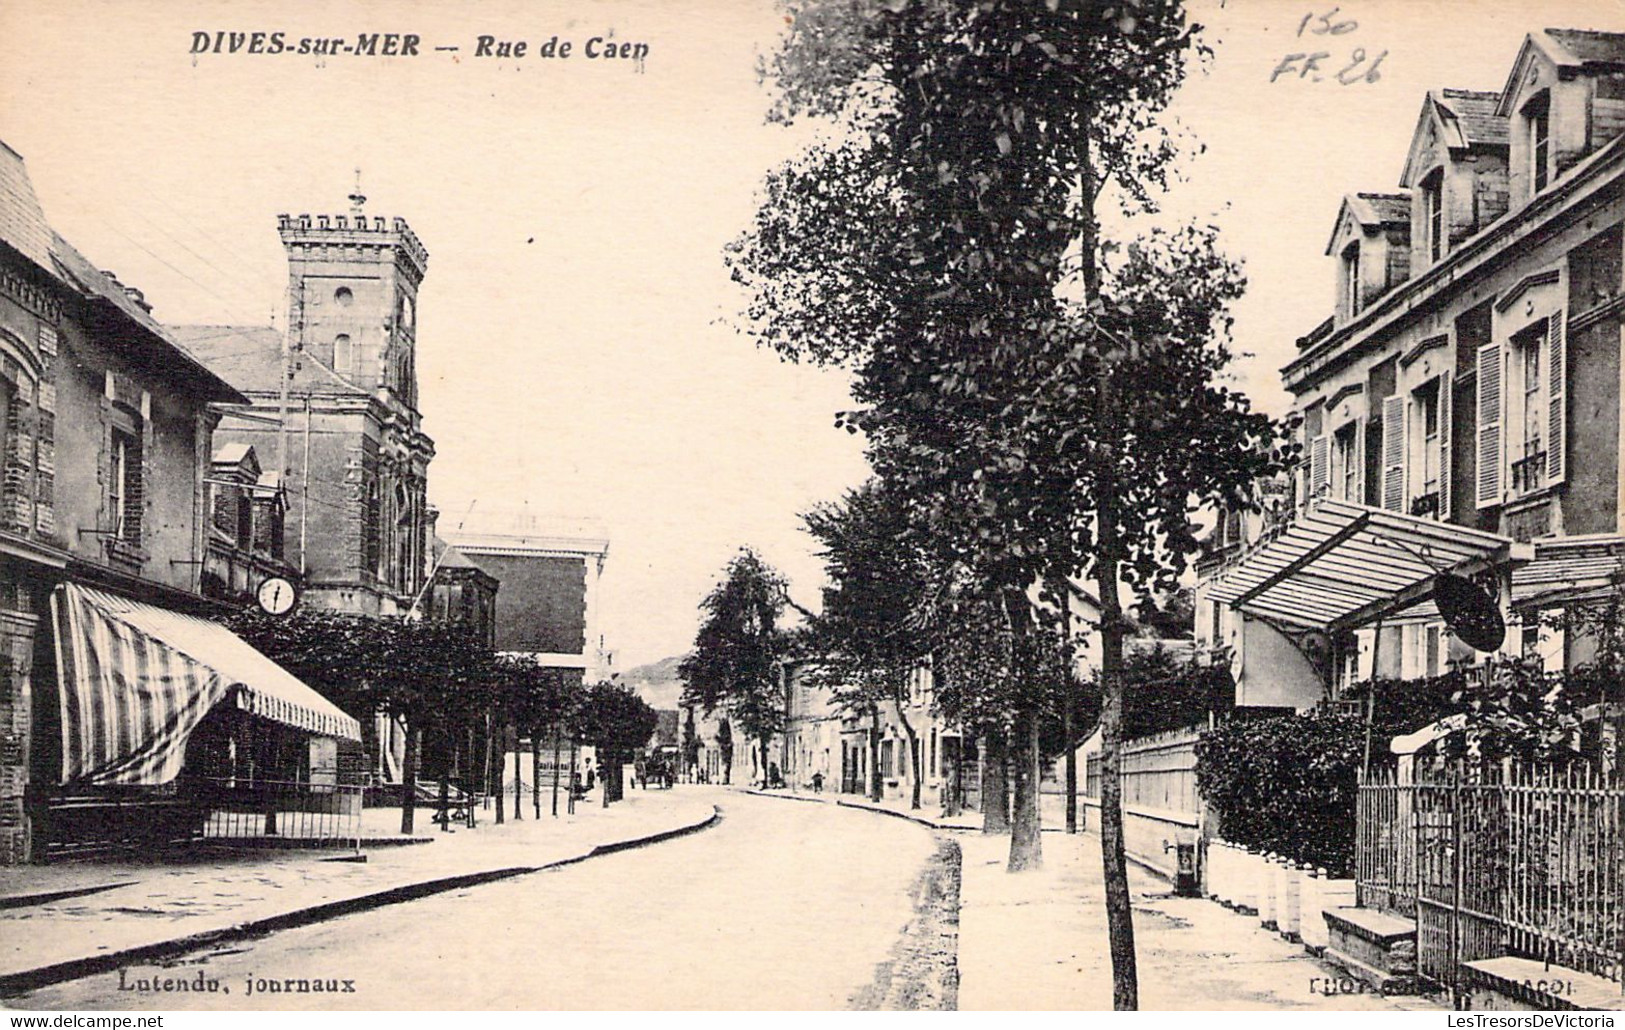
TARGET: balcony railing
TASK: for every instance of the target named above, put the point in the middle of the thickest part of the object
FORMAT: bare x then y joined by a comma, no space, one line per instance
1529,473
1427,504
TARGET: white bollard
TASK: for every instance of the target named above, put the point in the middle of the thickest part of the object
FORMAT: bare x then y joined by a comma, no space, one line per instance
1223,884
1266,892
1312,926
1291,900
1247,866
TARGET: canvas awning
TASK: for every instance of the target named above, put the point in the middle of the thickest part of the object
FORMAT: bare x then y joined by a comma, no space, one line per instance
136,680
1341,565
1564,571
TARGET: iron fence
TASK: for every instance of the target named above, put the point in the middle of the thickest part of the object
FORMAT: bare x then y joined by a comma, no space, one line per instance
1499,860
297,812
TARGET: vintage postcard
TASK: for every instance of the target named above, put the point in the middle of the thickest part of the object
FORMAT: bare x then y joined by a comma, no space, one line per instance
812,505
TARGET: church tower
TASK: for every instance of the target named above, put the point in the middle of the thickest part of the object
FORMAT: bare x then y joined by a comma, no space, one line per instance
353,285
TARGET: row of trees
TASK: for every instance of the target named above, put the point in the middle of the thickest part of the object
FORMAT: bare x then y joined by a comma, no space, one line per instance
459,701
1043,394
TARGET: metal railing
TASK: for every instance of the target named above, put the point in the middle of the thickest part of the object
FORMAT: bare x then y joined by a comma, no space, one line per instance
278,810
1503,860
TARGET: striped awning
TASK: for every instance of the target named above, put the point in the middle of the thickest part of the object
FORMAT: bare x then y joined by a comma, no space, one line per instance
135,680
1340,565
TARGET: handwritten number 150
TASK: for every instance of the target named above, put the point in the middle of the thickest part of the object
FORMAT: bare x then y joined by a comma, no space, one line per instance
1326,25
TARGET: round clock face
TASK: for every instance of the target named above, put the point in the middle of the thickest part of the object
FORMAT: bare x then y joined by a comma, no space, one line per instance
276,595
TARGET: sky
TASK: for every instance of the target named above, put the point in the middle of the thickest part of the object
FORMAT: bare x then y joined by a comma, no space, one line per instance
580,350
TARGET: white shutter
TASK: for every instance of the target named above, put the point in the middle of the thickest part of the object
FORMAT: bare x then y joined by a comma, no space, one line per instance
1393,453
1446,389
1556,395
1359,461
1488,470
1320,466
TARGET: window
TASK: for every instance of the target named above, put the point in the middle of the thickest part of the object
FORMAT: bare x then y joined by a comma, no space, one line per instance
1426,401
1430,652
1351,279
343,297
343,355
1346,459
1528,450
124,476
1433,214
1540,142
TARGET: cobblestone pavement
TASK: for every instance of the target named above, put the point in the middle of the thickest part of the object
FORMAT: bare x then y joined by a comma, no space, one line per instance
779,906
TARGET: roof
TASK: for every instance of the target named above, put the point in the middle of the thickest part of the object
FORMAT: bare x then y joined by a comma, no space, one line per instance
22,220
1372,209
1590,47
448,557
1564,570
1473,112
1384,208
1341,565
250,358
509,531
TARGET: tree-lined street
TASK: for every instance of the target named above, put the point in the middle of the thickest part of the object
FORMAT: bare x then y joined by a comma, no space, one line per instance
781,905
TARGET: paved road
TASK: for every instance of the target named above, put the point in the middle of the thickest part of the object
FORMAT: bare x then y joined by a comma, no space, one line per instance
783,905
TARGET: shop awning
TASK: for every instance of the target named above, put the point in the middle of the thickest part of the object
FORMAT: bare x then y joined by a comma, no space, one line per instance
1340,565
137,679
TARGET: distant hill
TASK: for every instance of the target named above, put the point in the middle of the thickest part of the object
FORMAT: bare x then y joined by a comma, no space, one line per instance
657,682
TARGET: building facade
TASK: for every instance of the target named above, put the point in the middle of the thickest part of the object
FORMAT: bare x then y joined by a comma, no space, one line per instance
332,408
106,542
1461,409
548,606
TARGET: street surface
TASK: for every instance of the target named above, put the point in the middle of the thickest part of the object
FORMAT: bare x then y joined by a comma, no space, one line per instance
782,905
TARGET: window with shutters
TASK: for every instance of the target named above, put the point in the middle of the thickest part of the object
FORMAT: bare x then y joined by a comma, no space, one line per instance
1526,396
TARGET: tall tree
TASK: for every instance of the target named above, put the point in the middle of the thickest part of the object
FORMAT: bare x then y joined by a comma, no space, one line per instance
617,723
739,650
931,248
872,636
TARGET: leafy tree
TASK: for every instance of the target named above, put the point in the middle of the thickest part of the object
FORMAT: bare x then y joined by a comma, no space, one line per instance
427,674
738,651
871,636
617,723
925,248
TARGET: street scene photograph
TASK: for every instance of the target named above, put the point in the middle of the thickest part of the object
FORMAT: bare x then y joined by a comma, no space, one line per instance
731,506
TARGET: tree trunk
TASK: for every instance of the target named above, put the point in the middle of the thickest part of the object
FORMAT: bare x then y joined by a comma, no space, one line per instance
1119,912
1071,769
518,777
995,783
409,779
556,742
485,771
767,780
1026,844
498,741
913,755
877,784
536,770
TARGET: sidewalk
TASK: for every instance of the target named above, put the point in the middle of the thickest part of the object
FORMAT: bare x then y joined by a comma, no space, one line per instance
1037,940
59,922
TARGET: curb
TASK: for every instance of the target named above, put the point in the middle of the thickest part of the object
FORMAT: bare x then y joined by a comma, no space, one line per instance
922,820
13,984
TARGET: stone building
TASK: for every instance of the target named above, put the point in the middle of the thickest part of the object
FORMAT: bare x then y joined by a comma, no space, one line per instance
105,537
333,408
1461,409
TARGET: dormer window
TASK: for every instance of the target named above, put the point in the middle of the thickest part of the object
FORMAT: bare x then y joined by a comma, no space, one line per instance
1433,214
1537,117
1351,278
